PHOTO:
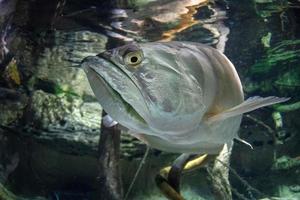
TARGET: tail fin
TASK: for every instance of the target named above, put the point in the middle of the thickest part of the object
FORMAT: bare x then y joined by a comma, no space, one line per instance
249,105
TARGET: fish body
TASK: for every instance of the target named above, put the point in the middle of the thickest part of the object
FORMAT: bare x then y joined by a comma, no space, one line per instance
175,96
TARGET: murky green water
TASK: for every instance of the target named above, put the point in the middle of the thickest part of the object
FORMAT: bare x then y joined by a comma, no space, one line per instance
50,119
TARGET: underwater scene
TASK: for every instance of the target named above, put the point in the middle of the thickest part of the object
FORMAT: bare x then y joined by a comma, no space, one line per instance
150,100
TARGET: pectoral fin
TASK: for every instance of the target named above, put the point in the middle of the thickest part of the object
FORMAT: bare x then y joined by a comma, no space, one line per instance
249,105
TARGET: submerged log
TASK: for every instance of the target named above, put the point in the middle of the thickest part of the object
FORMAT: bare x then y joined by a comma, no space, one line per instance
110,184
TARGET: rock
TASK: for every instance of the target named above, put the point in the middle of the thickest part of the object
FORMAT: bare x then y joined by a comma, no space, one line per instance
9,157
66,50
69,124
12,104
7,7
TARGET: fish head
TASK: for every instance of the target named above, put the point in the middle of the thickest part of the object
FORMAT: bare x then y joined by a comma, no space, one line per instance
146,88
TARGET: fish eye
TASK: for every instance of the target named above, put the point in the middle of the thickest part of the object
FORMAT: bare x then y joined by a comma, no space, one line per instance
133,58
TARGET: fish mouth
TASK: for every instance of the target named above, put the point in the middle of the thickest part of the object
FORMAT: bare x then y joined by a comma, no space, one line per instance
129,108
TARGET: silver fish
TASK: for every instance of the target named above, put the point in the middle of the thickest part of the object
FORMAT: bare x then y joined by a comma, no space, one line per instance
176,96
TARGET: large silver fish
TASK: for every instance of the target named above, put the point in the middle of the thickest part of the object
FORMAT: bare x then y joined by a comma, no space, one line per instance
175,96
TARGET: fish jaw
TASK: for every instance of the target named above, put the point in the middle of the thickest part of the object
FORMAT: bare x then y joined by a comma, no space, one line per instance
108,96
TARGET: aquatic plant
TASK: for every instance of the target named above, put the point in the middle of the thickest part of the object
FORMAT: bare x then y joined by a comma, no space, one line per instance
282,54
277,60
265,40
12,74
277,69
266,8
288,107
60,90
5,194
289,79
53,88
